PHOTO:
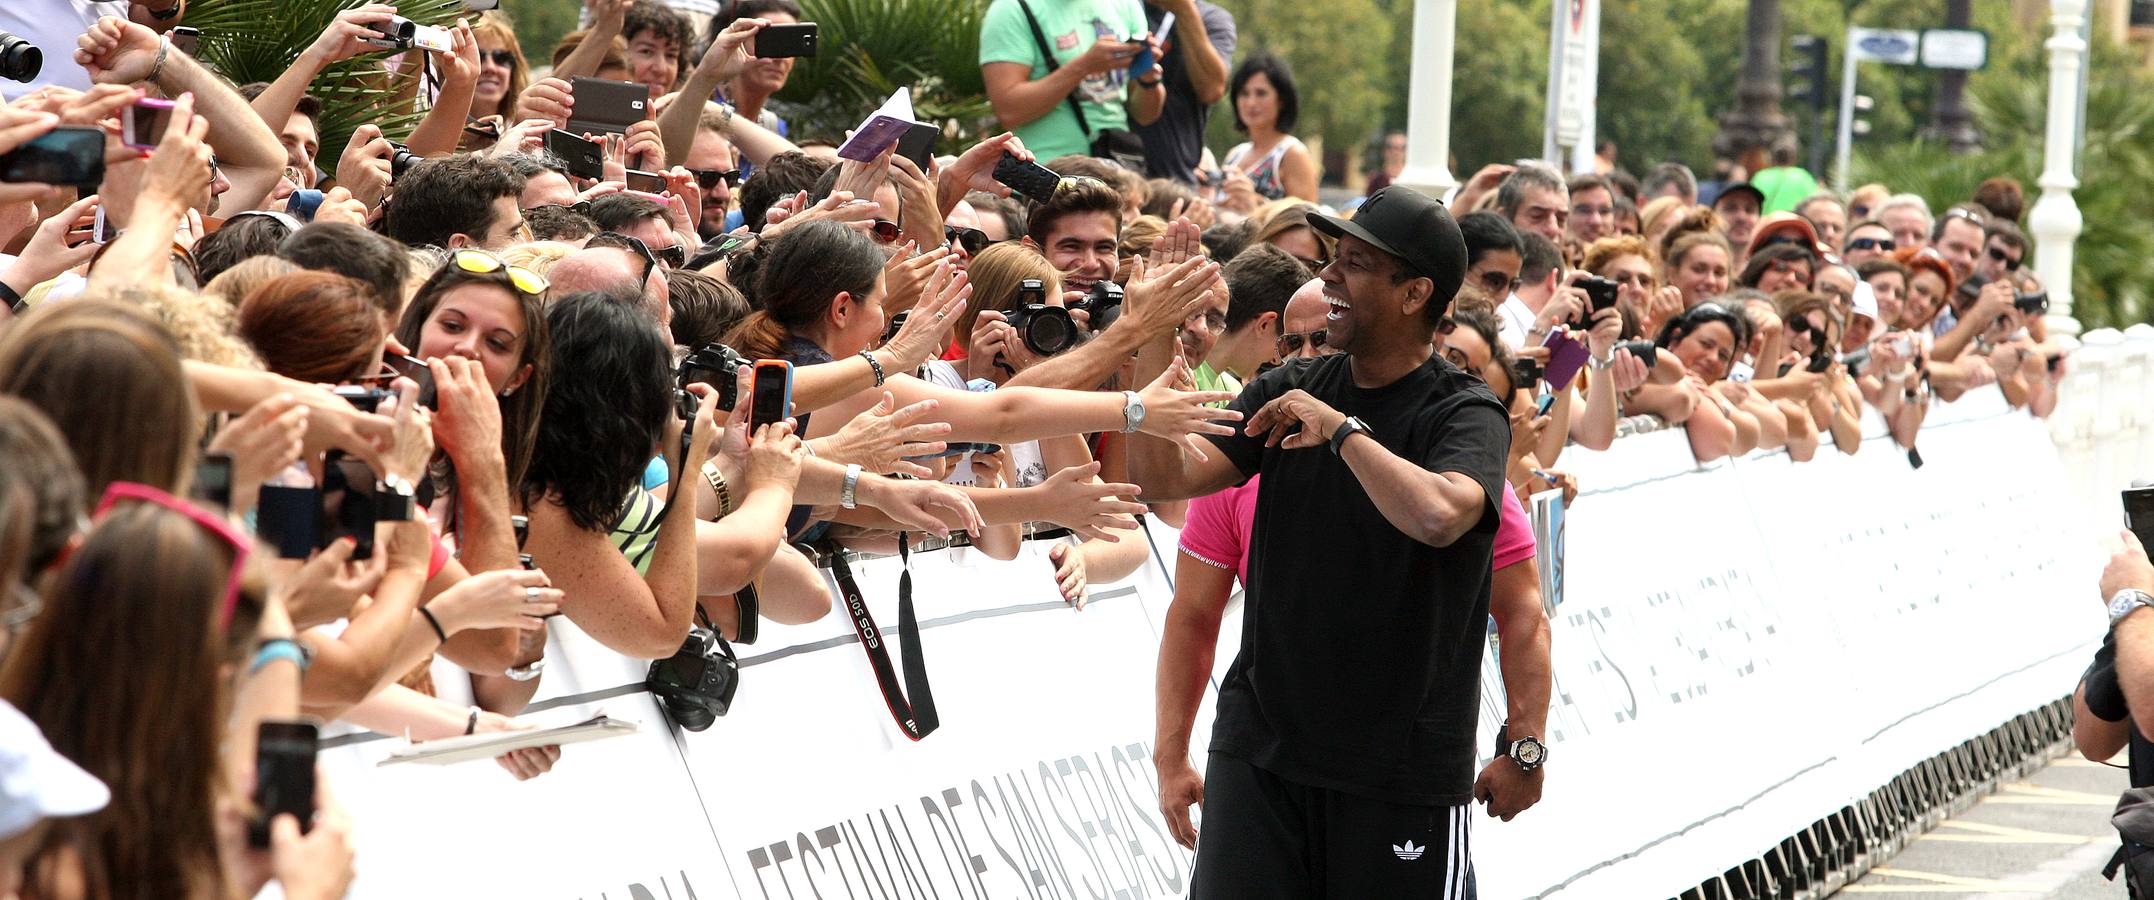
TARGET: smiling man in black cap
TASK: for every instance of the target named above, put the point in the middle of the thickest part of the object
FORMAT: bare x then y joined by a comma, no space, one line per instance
1341,760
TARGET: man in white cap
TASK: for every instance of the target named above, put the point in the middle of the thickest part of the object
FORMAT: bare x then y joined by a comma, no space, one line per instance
36,784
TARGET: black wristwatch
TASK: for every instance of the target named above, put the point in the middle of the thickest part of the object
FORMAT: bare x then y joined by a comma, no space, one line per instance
1347,429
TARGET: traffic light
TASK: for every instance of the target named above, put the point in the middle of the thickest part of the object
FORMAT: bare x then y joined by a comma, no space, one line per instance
1811,68
1858,125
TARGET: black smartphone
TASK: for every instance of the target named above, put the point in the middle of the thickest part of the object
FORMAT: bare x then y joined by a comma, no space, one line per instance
773,393
144,123
213,479
582,158
67,156
283,777
1528,373
2034,304
778,41
918,144
419,372
605,106
2139,513
184,39
647,182
348,506
1036,182
286,516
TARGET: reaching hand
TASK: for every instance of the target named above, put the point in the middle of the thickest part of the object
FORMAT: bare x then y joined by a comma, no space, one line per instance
364,167
1088,507
729,49
881,438
1068,560
974,169
329,585
117,51
1181,416
460,65
927,327
316,865
348,33
774,457
502,598
547,98
1295,420
524,764
914,503
527,136
1183,240
180,164
1159,300
264,441
907,274
2128,567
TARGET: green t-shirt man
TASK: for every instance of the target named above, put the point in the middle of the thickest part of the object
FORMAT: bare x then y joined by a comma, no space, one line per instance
1785,187
1210,379
1071,27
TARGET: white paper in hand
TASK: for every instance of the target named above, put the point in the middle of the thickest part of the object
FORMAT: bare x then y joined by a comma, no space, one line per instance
880,129
487,746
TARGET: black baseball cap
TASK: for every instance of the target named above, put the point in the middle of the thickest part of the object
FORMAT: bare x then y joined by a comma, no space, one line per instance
1412,226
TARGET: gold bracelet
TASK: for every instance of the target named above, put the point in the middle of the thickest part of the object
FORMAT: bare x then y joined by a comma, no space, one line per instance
718,486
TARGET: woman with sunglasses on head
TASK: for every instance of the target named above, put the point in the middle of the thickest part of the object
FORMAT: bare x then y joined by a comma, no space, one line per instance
157,582
1778,267
1707,340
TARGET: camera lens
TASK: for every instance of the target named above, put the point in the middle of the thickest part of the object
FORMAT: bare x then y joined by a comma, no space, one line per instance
400,160
20,60
1047,330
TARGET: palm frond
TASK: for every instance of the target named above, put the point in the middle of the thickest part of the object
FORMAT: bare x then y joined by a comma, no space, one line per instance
258,40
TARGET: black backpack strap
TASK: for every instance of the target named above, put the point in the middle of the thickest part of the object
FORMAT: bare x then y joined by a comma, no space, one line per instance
1048,55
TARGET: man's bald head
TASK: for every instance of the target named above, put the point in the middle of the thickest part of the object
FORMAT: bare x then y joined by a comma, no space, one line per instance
1305,312
613,271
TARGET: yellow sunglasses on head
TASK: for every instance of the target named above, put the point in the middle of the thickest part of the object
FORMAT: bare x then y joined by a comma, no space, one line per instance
480,262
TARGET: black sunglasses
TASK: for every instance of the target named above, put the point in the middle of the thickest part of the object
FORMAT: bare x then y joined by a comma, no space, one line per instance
634,245
504,57
708,179
1499,283
1290,343
2010,264
973,240
885,231
1882,245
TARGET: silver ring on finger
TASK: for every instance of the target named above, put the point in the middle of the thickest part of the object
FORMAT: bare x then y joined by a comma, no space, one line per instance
531,595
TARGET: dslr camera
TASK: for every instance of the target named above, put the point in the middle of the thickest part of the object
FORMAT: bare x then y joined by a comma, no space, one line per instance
695,685
20,60
401,159
1046,330
401,34
716,365
1103,304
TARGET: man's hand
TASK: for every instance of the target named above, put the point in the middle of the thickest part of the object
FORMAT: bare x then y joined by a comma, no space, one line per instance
364,167
1179,786
117,51
1295,420
1507,789
1483,181
1160,299
1105,55
974,169
2127,568
729,49
347,35
547,98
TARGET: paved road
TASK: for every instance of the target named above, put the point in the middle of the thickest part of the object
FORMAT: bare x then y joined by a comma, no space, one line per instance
2046,837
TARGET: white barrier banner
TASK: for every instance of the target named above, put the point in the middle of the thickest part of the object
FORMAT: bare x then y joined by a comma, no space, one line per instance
1739,651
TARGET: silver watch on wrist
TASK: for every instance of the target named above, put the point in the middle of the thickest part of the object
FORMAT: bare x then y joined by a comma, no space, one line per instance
1600,363
525,673
2126,600
1132,412
846,495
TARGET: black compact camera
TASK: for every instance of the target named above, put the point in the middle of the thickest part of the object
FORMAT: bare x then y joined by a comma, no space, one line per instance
401,159
1103,304
20,60
1528,374
695,686
716,365
1645,351
2034,304
1600,295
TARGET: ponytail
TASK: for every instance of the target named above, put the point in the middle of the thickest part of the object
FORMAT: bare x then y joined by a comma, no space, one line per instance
758,336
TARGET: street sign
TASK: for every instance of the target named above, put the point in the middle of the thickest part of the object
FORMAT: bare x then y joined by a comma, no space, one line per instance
1885,45
1954,48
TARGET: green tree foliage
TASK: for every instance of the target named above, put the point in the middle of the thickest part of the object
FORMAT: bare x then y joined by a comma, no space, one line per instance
870,48
541,23
257,40
1336,51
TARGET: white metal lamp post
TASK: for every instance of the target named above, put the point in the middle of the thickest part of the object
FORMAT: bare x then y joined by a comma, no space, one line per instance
1428,116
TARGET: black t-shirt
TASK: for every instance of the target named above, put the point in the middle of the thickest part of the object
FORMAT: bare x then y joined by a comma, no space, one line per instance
1360,662
2105,699
1174,142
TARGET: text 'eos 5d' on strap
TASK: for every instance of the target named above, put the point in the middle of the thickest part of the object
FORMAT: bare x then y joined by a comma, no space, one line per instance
916,716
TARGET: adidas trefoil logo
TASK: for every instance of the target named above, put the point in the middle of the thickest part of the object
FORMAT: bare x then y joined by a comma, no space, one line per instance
1408,851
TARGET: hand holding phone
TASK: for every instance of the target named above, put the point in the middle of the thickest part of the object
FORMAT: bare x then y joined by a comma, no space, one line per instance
1036,182
773,393
283,777
784,41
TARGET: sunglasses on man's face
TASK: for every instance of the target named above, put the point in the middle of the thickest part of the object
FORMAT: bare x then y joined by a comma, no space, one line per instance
2010,264
708,179
631,244
971,240
885,231
1500,284
1290,343
1881,245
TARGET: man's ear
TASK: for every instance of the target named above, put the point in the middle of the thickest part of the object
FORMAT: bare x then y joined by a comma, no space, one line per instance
460,240
1418,292
1264,321
1027,239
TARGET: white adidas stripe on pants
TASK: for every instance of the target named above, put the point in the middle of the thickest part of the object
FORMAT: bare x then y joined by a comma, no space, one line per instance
1458,859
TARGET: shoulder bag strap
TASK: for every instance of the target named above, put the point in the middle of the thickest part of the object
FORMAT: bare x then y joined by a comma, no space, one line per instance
1048,54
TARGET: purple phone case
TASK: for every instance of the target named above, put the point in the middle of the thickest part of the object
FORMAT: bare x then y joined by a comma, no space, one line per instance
1565,355
873,138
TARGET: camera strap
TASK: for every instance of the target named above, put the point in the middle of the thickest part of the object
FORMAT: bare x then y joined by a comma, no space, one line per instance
916,716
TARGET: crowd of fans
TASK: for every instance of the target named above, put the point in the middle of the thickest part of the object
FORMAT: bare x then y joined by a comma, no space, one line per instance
526,354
